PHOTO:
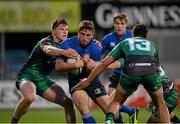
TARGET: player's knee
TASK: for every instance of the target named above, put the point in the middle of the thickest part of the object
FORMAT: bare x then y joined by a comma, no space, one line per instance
68,102
29,99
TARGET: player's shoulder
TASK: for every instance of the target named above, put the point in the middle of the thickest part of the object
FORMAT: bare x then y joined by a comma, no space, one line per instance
128,34
46,40
70,40
93,47
109,35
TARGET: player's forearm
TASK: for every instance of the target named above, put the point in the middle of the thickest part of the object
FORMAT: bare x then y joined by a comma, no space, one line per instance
102,65
52,51
96,71
62,66
114,65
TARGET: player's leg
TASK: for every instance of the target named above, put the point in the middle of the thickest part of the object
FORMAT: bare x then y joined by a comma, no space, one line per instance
119,98
111,93
131,111
81,100
171,101
28,91
174,118
158,99
171,98
153,84
57,95
152,119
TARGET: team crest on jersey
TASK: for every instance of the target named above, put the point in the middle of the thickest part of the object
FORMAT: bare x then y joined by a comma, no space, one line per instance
112,44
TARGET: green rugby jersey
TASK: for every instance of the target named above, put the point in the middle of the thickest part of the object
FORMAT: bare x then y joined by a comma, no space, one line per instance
140,56
134,46
39,63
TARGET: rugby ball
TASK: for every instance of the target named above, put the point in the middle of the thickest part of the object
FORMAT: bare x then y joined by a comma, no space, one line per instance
74,71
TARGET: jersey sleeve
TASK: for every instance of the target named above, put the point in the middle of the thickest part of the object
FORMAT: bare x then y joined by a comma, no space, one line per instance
115,53
44,42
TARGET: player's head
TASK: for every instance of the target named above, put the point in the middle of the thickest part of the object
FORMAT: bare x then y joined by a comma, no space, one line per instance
59,29
85,32
120,22
140,30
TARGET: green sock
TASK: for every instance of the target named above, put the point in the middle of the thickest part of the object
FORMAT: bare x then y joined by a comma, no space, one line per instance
109,117
175,119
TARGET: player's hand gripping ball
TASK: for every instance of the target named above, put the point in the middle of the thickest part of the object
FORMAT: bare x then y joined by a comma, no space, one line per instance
77,70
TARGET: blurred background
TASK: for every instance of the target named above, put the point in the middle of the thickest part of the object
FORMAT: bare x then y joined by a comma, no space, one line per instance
24,22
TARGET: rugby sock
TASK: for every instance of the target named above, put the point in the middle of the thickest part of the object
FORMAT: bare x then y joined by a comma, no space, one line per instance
14,120
175,119
127,109
88,119
109,117
119,119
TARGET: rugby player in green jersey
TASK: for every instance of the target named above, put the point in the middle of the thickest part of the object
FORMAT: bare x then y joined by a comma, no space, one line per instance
34,77
170,98
140,67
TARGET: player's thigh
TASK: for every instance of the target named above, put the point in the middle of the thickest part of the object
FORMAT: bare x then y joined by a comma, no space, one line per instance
121,94
81,100
55,94
28,89
157,96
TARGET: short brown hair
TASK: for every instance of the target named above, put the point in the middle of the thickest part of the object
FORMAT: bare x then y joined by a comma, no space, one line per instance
120,16
86,24
57,22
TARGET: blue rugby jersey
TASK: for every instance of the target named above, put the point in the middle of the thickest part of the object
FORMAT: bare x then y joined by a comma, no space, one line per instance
92,50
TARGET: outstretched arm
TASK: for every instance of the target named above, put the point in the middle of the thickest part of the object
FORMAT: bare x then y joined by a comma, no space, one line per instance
97,70
53,51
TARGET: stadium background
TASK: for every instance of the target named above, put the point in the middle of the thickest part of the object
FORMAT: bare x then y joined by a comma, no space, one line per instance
23,23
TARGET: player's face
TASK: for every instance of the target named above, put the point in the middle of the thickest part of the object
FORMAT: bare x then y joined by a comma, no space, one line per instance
85,35
61,32
120,26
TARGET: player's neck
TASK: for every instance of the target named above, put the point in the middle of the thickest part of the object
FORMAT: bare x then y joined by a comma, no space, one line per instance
57,40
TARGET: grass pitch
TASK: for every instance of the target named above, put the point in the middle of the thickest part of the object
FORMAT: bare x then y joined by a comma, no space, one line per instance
57,116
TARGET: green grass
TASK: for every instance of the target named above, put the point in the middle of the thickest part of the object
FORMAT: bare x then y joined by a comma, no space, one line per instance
55,116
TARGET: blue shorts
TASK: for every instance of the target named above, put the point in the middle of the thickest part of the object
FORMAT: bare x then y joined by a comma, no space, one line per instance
94,90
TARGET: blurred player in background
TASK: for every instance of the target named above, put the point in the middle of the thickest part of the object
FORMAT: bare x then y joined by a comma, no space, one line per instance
170,97
90,54
120,33
140,67
34,77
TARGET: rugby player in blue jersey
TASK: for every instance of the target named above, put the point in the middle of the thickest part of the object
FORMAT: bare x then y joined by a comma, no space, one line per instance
90,54
120,22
